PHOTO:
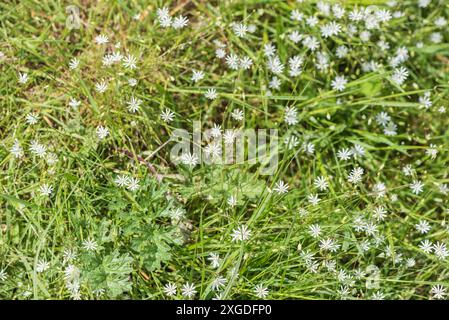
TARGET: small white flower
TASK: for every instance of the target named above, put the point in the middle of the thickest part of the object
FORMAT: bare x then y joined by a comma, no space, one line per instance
23,78
339,83
170,289
438,292
74,103
130,62
101,39
355,176
422,226
291,116
214,260
32,118
240,29
42,266
167,115
237,114
101,86
189,159
74,63
321,183
134,104
46,190
261,291
197,75
241,233
90,245
211,94
188,290
121,180
281,187
133,184
218,283
102,132
180,22
16,149
313,199
417,186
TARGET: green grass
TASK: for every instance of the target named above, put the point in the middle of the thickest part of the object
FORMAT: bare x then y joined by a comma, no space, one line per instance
141,248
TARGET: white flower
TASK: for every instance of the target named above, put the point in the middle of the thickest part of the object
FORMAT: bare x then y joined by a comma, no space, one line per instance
240,29
132,82
218,282
232,201
383,118
281,187
245,63
342,51
379,213
400,75
261,291
23,78
423,227
296,15
291,116
101,86
170,289
443,188
102,132
32,118
313,199
130,62
339,83
237,114
134,104
90,245
164,17
188,290
42,266
269,50
426,246
329,245
241,233
101,39
74,63
74,103
197,75
438,292
16,149
220,53
440,250
232,61
357,151
214,260
275,65
417,186
312,21
180,22
355,176
211,94
315,230
432,151
133,184
38,149
3,275
321,183
121,180
189,159
308,148
330,29
167,115
295,36
46,190
344,154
